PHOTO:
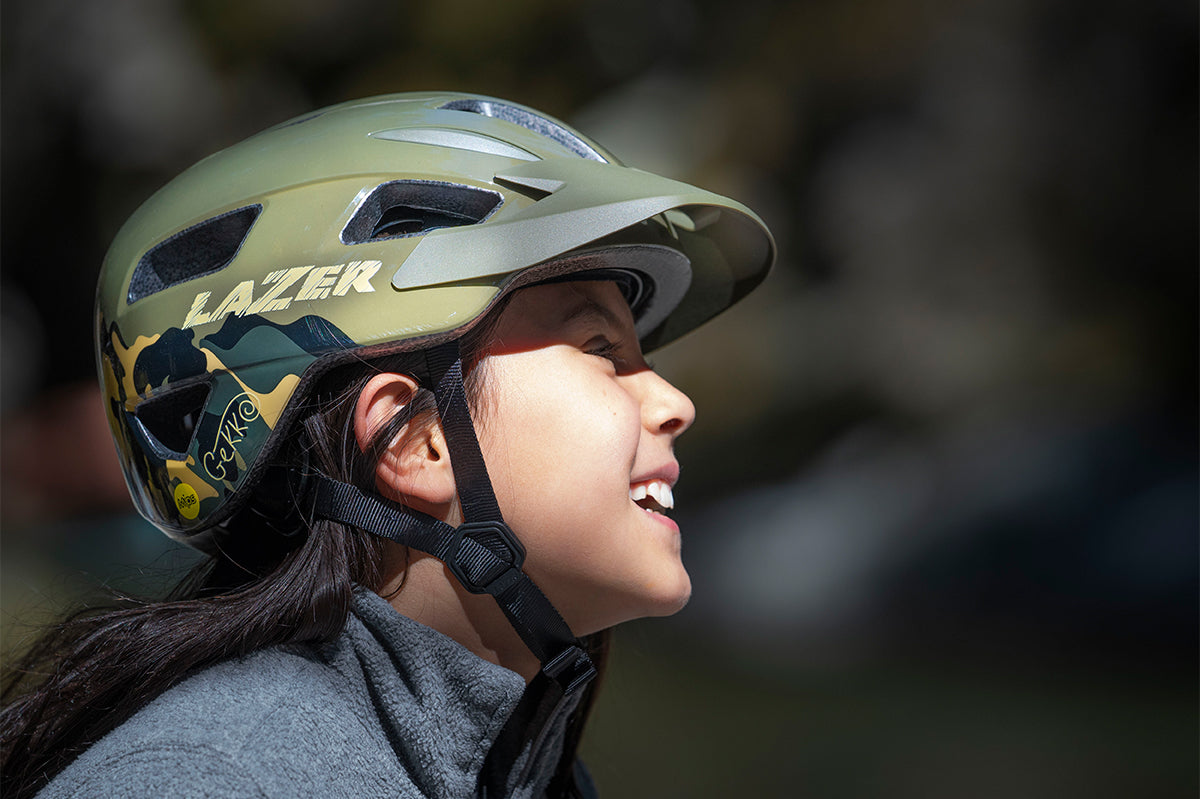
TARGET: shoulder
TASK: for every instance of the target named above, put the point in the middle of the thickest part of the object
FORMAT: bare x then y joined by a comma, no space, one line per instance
276,723
156,770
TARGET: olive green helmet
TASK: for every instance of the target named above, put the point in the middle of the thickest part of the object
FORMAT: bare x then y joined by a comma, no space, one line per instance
363,229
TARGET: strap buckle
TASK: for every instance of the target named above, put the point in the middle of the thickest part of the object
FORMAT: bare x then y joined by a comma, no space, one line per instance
502,549
572,669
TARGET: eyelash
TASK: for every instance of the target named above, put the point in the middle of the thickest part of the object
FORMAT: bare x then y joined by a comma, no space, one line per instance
607,349
611,351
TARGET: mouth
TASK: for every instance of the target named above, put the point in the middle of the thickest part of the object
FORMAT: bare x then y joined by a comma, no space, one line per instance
653,496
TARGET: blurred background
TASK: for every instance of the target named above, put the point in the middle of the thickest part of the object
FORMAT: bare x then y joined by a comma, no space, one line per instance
940,507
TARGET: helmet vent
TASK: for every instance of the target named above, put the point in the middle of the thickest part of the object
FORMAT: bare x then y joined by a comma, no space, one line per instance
413,207
200,250
528,120
169,420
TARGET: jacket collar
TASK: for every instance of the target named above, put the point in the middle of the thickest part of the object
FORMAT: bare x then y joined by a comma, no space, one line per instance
442,707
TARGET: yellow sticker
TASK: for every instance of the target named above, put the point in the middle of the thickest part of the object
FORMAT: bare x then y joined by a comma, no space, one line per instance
187,501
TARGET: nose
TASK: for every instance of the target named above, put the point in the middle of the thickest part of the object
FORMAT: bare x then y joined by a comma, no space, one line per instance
665,409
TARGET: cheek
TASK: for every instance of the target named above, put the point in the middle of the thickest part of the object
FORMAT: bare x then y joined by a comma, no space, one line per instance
558,449
562,452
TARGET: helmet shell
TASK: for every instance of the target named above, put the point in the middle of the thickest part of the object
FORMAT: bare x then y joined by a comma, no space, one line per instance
361,229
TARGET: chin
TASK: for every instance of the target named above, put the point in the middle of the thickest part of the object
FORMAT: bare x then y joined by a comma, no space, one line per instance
671,599
667,600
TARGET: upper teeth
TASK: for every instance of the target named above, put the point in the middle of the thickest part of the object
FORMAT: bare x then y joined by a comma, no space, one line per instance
657,490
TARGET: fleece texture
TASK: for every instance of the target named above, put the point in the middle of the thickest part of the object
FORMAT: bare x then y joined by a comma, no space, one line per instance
391,708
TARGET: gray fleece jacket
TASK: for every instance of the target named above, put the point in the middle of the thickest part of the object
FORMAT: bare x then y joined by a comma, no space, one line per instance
391,708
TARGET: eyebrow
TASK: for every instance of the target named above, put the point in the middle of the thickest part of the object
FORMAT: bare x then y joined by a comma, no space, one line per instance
587,308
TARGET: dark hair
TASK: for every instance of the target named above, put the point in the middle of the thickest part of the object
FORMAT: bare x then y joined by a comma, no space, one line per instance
93,671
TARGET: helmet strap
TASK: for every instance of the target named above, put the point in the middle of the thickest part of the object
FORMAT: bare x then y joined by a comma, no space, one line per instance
482,553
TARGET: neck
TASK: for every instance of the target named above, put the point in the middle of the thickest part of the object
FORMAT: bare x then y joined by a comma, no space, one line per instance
426,592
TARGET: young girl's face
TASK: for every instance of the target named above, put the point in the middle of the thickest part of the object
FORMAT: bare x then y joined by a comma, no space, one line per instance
574,425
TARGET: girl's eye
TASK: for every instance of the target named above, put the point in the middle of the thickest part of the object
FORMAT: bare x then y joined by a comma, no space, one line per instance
603,348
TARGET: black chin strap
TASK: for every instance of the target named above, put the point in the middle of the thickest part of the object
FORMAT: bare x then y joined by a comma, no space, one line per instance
483,554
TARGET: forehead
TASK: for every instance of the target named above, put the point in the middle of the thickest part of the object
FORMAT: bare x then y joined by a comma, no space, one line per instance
551,307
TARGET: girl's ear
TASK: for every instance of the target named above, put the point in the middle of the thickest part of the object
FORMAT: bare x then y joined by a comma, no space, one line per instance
415,468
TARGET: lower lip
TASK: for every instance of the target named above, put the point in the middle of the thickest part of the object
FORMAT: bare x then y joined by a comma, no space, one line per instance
661,519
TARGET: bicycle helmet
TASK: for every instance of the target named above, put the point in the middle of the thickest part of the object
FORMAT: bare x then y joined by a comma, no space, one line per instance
364,229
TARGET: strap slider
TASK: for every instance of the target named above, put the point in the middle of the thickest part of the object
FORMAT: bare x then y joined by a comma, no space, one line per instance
493,557
572,669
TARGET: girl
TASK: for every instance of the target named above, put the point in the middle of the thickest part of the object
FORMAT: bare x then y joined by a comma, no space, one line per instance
383,364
